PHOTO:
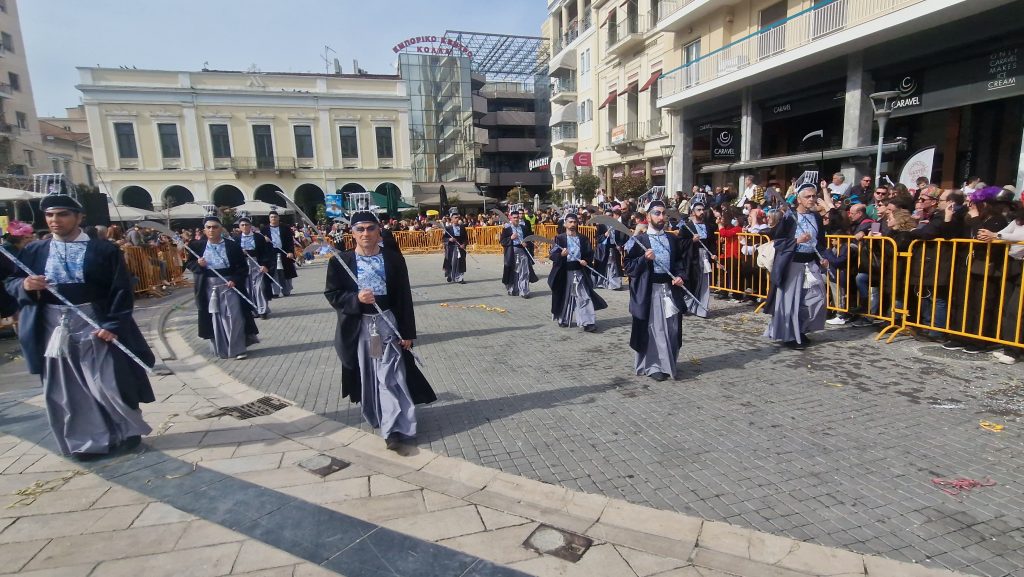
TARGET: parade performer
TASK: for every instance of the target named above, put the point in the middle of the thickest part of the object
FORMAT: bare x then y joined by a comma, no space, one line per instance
456,238
655,268
92,388
518,271
796,298
378,369
261,257
608,255
220,271
572,290
703,239
283,241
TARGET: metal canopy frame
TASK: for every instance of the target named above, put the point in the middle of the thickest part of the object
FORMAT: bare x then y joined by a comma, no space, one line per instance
505,57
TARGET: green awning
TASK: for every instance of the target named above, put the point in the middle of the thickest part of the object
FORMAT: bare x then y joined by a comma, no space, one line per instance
381,200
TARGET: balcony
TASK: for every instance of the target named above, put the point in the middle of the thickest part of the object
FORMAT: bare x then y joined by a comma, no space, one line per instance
9,130
5,90
827,30
514,118
565,136
633,134
563,90
511,145
254,164
625,37
675,15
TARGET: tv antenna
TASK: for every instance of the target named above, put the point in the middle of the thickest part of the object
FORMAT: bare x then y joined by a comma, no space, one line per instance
327,59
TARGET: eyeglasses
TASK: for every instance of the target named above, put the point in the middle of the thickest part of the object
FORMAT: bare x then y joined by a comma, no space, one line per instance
364,229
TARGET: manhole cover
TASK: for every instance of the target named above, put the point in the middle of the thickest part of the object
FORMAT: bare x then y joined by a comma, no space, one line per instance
261,407
548,540
323,465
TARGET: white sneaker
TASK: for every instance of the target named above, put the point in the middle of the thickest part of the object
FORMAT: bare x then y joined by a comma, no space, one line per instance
836,321
241,357
1004,358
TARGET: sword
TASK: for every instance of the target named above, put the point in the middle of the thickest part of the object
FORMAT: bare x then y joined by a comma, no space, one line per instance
355,279
253,261
546,240
76,309
686,290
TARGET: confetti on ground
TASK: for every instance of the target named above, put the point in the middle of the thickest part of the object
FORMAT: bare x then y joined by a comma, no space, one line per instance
32,492
990,426
961,485
482,307
834,384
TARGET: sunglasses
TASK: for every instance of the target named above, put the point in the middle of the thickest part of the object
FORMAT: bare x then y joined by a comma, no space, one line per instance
364,229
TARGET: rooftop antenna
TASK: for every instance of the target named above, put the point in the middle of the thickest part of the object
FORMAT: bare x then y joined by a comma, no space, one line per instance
327,58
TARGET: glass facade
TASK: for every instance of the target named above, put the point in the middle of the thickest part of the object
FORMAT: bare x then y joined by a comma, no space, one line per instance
440,117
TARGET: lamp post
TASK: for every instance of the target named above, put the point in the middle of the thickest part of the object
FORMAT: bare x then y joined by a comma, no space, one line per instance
880,101
666,153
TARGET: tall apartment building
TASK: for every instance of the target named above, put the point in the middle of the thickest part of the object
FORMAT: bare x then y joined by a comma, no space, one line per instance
21,151
740,83
165,137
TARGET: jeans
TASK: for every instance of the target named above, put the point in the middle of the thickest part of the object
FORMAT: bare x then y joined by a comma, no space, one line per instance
870,293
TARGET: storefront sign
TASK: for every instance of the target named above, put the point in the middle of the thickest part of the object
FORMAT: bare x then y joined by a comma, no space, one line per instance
618,171
618,135
910,93
1002,69
540,163
441,45
658,167
797,105
583,159
638,170
724,142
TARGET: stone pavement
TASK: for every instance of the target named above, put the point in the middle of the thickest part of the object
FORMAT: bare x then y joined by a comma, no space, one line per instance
836,445
299,495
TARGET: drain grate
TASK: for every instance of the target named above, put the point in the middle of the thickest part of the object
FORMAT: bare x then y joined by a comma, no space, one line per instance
261,407
548,540
323,465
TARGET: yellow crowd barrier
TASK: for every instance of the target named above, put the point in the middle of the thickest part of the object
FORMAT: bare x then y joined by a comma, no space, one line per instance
864,282
419,241
144,264
735,269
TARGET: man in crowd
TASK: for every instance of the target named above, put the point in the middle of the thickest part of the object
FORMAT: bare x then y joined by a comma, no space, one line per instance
608,256
861,192
378,369
260,256
518,270
572,291
283,241
704,240
749,189
796,298
878,201
839,188
92,389
655,270
455,240
225,319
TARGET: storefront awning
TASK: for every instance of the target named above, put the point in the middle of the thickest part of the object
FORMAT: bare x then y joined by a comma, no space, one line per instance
609,16
650,81
805,157
565,113
611,98
631,87
429,193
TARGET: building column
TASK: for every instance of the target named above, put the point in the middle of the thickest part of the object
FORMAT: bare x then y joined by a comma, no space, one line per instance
325,150
750,130
680,169
858,114
195,151
609,189
647,169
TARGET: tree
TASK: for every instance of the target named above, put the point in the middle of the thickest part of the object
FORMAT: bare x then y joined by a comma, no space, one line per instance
586,185
630,186
321,213
518,195
227,216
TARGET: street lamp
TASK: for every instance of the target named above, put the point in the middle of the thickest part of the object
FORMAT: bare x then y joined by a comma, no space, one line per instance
666,153
880,102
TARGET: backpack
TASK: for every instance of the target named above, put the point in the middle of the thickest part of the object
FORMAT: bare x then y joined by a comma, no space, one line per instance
766,255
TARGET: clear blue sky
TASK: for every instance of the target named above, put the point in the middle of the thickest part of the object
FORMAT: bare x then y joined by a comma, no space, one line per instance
280,36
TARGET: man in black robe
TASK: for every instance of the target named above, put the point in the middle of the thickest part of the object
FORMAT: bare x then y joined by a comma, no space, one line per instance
92,388
455,238
608,255
377,366
655,268
572,290
261,258
225,318
283,241
517,273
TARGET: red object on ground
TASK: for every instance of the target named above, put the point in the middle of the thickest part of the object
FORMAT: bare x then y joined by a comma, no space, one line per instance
957,486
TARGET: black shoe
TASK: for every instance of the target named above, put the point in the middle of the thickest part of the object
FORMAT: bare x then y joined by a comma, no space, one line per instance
526,296
393,442
794,345
805,339
130,443
265,316
973,349
659,376
563,325
462,282
951,345
590,329
87,457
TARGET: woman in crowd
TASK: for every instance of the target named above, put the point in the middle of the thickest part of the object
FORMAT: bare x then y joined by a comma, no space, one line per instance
1012,324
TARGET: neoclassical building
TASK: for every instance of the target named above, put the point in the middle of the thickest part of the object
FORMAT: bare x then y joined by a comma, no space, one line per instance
164,137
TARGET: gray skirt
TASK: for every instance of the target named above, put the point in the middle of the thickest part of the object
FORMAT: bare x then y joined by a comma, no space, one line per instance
386,402
576,304
700,308
226,310
521,280
83,403
613,272
662,336
257,289
798,309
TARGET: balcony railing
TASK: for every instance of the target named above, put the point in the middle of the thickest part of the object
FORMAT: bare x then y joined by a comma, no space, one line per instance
820,20
623,35
560,132
5,89
632,133
263,163
560,85
667,8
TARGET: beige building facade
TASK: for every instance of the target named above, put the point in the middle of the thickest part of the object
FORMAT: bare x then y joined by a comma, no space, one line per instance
66,146
164,137
21,151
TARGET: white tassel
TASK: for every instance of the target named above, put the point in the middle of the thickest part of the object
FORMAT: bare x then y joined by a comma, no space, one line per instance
668,304
214,301
57,347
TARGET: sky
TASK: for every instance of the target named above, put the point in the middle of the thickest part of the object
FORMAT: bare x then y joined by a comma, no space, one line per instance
276,36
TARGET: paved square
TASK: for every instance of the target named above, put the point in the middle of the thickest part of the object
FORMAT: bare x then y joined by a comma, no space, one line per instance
836,445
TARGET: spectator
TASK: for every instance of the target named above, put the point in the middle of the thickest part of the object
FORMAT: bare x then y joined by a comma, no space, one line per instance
1011,328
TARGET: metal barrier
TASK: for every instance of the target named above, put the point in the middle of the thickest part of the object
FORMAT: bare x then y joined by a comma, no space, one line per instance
964,288
419,241
864,280
144,264
736,270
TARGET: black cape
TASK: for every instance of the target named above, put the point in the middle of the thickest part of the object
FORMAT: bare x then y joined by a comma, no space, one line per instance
606,251
288,248
237,271
446,240
509,271
557,277
108,286
343,294
640,272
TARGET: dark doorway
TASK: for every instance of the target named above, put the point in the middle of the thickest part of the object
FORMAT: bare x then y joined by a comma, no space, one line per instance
228,195
137,197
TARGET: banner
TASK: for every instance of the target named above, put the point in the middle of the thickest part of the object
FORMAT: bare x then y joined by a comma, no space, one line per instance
335,202
918,165
582,159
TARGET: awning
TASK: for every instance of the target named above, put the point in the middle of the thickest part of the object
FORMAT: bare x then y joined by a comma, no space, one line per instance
805,157
609,16
611,98
429,194
650,81
631,87
565,59
565,113
381,200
